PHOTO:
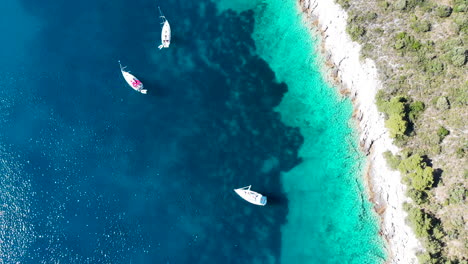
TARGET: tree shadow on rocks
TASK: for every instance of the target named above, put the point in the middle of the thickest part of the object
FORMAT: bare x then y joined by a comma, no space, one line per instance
437,177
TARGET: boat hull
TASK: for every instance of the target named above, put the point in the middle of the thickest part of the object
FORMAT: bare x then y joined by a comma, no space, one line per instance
251,196
165,35
136,84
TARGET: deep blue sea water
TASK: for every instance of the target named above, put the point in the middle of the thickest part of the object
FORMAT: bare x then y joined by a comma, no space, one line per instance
93,172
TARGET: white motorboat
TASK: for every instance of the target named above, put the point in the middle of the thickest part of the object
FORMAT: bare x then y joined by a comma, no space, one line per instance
251,196
132,80
165,32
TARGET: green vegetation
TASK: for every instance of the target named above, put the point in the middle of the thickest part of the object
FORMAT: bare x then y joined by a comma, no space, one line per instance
429,230
443,11
356,25
395,111
460,6
458,56
442,132
356,32
434,66
421,51
457,194
406,42
392,160
415,110
384,5
419,197
344,3
421,222
407,4
461,22
396,125
455,53
414,3
400,4
443,103
461,152
421,26
400,114
417,172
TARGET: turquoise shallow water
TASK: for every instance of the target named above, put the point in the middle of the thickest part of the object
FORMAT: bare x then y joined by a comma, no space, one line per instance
92,172
330,219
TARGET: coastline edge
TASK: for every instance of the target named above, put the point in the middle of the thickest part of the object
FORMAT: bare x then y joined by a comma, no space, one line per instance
359,80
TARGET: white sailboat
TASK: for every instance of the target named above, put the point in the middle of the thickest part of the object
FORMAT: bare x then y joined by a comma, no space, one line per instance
132,80
165,32
251,196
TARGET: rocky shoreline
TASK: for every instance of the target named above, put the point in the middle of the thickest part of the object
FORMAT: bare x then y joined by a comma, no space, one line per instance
359,79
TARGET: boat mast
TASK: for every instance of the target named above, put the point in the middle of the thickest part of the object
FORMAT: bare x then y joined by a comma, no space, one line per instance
122,68
161,15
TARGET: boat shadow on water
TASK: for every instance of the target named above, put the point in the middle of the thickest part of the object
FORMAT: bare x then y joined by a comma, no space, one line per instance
154,89
275,199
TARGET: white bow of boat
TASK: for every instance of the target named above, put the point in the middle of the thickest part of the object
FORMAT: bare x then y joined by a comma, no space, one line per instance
136,84
251,196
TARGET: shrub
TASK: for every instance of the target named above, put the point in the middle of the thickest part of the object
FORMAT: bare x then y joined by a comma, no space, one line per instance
407,206
415,109
379,31
395,114
355,31
450,44
395,106
400,4
438,233
369,16
413,3
384,5
424,258
410,164
427,7
433,246
435,149
421,26
461,20
442,103
460,152
422,178
457,194
399,44
457,221
380,100
443,11
417,172
419,197
403,40
396,125
343,3
406,153
392,160
400,40
367,49
452,234
434,66
460,6
420,221
407,4
415,45
442,132
458,57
